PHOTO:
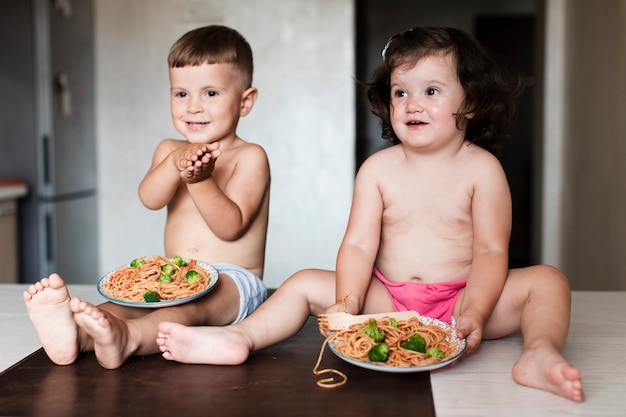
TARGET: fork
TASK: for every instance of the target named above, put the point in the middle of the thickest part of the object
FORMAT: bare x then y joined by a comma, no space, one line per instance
342,320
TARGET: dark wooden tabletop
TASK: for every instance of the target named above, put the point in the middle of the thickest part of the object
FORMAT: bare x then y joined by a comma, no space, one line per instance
277,381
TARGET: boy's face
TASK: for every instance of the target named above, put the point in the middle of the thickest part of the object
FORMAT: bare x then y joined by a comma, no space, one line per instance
424,101
206,101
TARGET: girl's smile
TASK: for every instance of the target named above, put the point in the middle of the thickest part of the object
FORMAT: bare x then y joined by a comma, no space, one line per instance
424,101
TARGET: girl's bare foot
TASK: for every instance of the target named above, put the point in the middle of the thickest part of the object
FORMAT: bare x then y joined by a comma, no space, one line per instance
109,334
202,345
547,369
47,303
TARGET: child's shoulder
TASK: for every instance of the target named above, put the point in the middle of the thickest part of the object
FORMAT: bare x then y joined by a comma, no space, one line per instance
478,154
248,152
249,148
480,161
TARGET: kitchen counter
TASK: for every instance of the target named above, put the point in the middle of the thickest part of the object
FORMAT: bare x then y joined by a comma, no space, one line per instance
479,385
12,189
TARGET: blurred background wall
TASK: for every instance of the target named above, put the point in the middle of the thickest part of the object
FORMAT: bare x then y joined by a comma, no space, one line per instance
307,118
304,118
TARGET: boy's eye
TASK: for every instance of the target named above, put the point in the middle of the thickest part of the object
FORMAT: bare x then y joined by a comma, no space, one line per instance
211,93
431,91
180,94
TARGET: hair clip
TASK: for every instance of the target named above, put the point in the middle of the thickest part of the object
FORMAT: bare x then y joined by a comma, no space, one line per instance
384,52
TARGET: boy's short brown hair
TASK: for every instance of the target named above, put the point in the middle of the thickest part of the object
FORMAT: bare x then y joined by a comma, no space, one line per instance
213,45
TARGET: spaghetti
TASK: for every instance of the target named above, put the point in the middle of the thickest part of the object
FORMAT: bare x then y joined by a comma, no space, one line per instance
356,344
130,283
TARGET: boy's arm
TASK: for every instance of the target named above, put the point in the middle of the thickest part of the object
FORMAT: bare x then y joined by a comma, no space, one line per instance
491,218
358,251
230,207
161,182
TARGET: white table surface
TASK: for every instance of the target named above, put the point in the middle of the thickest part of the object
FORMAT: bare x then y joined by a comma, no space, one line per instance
480,385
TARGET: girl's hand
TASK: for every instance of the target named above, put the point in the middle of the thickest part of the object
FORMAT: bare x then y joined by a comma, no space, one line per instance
346,305
470,327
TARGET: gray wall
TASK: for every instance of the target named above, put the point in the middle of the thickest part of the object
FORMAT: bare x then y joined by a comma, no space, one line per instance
304,118
594,145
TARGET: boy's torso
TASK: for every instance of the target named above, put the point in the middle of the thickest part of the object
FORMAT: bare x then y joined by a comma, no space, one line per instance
188,235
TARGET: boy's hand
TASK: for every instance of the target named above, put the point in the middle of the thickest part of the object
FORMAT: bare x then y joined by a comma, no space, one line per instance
195,162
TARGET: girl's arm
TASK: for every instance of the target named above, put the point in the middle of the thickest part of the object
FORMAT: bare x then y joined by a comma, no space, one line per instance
491,217
358,251
230,207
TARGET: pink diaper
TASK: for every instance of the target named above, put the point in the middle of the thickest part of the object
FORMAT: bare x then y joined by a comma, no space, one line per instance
431,300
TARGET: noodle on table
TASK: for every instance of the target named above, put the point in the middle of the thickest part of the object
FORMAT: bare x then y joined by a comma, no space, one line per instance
130,283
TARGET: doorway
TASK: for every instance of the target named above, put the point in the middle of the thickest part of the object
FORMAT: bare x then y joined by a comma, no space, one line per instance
511,34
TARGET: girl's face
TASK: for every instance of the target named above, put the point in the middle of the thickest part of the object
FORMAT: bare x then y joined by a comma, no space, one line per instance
424,101
205,101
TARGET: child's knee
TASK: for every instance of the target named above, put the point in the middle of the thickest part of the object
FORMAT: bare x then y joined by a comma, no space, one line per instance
551,275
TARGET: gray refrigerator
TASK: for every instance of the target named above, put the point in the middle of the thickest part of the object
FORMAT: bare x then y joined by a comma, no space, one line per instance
47,126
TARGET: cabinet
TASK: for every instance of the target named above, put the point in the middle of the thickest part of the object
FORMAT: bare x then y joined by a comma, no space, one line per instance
9,193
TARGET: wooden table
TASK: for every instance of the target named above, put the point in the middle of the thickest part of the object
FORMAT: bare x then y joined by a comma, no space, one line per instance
278,380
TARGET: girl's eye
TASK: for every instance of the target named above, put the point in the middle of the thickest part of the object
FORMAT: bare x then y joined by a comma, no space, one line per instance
432,91
399,93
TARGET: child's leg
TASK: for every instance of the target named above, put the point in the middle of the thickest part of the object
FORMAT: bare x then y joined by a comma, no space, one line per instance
280,317
119,332
537,300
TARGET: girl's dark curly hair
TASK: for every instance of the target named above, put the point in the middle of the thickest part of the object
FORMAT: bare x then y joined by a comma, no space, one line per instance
490,89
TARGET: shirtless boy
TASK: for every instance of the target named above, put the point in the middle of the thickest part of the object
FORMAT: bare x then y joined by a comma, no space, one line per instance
216,190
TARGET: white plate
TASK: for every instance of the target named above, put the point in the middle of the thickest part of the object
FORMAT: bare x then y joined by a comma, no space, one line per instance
213,279
460,348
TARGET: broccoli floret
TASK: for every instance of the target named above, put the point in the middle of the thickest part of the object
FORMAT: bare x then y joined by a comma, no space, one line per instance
415,342
393,322
379,353
151,297
192,276
168,269
165,278
137,262
434,352
372,331
179,261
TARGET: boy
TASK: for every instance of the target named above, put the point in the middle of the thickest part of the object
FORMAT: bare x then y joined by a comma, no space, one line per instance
216,189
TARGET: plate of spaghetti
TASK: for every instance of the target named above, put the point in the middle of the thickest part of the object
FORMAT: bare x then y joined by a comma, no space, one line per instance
414,345
157,281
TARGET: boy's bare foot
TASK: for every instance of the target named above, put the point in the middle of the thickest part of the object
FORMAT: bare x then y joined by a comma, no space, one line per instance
47,303
110,335
547,369
202,345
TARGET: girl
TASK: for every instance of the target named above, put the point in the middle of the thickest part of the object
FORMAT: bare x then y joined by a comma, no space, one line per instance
429,226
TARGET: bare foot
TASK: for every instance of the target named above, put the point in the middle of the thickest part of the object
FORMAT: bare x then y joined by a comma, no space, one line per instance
203,345
547,369
47,303
109,334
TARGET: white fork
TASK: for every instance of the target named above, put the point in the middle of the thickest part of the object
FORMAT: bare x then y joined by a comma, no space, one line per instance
342,321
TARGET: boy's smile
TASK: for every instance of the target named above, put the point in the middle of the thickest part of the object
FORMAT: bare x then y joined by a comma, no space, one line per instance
205,101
